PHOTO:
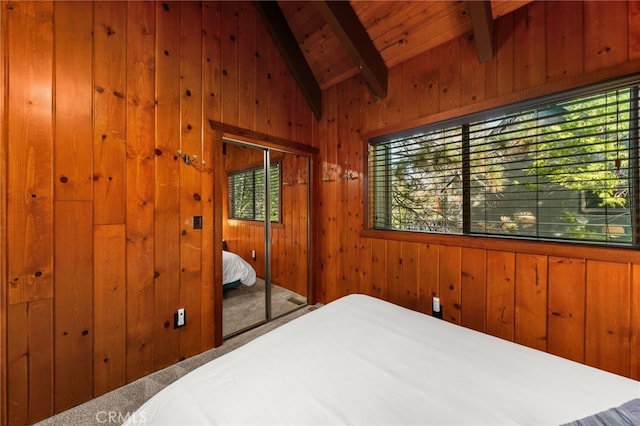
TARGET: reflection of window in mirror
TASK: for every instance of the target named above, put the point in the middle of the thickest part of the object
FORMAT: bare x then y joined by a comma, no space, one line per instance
246,194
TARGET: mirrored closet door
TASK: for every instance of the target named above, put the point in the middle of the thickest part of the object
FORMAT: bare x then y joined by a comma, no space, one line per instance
265,230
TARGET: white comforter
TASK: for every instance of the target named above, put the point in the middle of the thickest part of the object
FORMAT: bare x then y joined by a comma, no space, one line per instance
362,361
235,268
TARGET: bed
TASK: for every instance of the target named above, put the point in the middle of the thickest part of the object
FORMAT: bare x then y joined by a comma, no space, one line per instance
363,361
236,271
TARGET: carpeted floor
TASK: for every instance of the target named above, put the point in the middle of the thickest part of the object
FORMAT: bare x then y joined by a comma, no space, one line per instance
114,407
245,306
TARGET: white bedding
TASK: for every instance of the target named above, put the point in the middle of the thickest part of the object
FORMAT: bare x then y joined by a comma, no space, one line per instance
235,268
362,361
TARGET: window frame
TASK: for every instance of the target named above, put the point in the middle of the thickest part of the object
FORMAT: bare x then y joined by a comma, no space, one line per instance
539,103
253,170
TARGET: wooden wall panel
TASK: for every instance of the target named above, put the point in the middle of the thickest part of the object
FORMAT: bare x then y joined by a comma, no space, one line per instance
110,112
608,324
30,150
73,162
635,322
190,181
505,52
529,60
474,288
73,303
634,29
244,33
167,184
564,31
133,82
531,301
140,174
606,34
566,308
500,293
230,65
109,304
3,230
30,361
450,283
429,276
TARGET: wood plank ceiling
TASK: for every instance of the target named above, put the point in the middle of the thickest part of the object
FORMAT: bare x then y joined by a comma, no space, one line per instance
337,40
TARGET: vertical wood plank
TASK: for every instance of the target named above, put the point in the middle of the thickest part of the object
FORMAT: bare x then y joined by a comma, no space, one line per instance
378,286
394,272
354,161
608,322
230,63
190,180
73,156
474,288
30,361
449,72
410,91
505,53
211,232
410,275
634,29
244,50
635,322
73,303
606,34
109,302
428,84
167,184
473,81
140,174
531,301
342,197
18,364
528,36
30,151
450,283
429,276
212,60
110,112
500,293
566,308
264,47
564,39
3,232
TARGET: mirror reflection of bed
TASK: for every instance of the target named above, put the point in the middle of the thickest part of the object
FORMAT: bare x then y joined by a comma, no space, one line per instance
246,262
244,298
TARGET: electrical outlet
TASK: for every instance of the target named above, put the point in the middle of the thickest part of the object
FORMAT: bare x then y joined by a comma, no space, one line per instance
253,254
180,318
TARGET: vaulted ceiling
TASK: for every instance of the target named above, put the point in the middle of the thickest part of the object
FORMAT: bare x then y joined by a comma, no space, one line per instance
326,42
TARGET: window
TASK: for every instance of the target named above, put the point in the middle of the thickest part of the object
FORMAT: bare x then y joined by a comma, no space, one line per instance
561,168
247,194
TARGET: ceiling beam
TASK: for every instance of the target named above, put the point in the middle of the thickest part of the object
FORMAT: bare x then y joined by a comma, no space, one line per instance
278,27
345,24
482,22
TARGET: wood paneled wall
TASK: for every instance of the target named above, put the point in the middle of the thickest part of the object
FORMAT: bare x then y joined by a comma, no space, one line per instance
579,303
98,247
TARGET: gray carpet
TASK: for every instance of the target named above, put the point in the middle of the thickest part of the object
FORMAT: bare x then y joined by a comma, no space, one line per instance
114,407
244,306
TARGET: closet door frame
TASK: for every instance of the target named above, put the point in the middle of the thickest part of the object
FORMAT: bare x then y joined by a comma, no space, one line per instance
222,132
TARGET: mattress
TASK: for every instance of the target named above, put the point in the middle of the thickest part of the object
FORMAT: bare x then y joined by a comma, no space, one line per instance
363,361
235,268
